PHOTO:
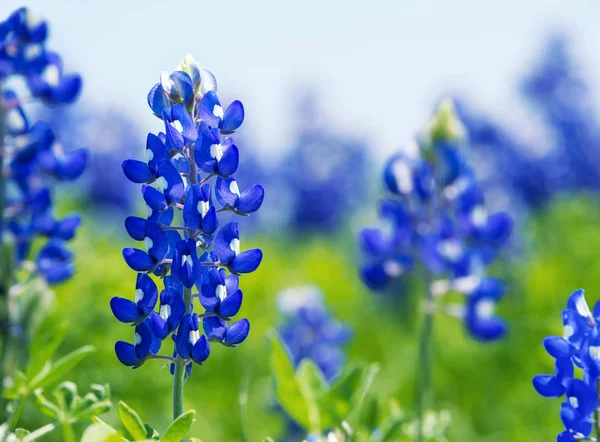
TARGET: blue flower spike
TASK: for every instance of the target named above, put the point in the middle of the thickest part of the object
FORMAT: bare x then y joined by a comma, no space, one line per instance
183,243
433,215
36,155
579,346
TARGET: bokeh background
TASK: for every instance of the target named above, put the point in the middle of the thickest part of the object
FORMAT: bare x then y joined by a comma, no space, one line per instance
330,90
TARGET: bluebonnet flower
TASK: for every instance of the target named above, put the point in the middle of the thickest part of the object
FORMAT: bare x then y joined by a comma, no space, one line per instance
315,172
84,124
434,216
309,330
578,347
195,147
31,156
530,171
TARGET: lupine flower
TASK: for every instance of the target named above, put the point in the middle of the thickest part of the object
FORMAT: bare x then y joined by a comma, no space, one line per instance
530,172
321,191
194,147
434,216
32,156
309,330
578,347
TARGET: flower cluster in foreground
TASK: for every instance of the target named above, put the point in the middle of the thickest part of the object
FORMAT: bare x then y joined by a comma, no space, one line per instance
31,156
434,216
579,347
184,246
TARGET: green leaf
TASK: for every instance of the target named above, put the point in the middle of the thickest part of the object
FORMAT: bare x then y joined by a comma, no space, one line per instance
151,433
61,367
46,340
21,433
101,433
312,384
45,406
336,403
287,389
131,421
180,427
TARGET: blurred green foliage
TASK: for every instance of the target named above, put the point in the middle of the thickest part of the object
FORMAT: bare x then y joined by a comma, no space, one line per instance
486,387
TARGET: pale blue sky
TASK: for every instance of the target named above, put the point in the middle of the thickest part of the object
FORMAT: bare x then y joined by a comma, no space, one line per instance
379,65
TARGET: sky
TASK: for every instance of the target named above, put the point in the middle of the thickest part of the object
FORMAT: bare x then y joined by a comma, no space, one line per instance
377,66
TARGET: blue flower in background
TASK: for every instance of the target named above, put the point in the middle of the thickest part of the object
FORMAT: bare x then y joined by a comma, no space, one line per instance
183,243
309,330
32,157
434,217
531,172
578,347
324,173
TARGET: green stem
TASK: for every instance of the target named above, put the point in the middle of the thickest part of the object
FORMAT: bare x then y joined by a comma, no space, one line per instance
424,369
17,415
179,375
68,432
39,432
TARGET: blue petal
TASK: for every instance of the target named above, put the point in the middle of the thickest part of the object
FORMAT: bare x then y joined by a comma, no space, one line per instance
137,171
201,350
224,193
557,347
72,165
155,199
158,100
233,118
125,310
237,332
251,199
230,306
159,326
150,293
68,89
547,386
175,187
210,109
374,276
65,229
214,327
228,164
136,227
191,216
210,222
222,246
126,353
137,259
247,262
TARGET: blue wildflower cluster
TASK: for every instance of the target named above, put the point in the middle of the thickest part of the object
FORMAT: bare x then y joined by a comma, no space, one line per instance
183,243
310,332
315,172
31,155
531,172
578,347
435,216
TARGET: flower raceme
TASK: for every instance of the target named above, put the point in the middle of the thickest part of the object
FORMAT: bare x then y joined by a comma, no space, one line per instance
434,216
184,245
578,347
31,156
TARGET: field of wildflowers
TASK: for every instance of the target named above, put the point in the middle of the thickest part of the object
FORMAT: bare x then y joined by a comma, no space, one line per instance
171,283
